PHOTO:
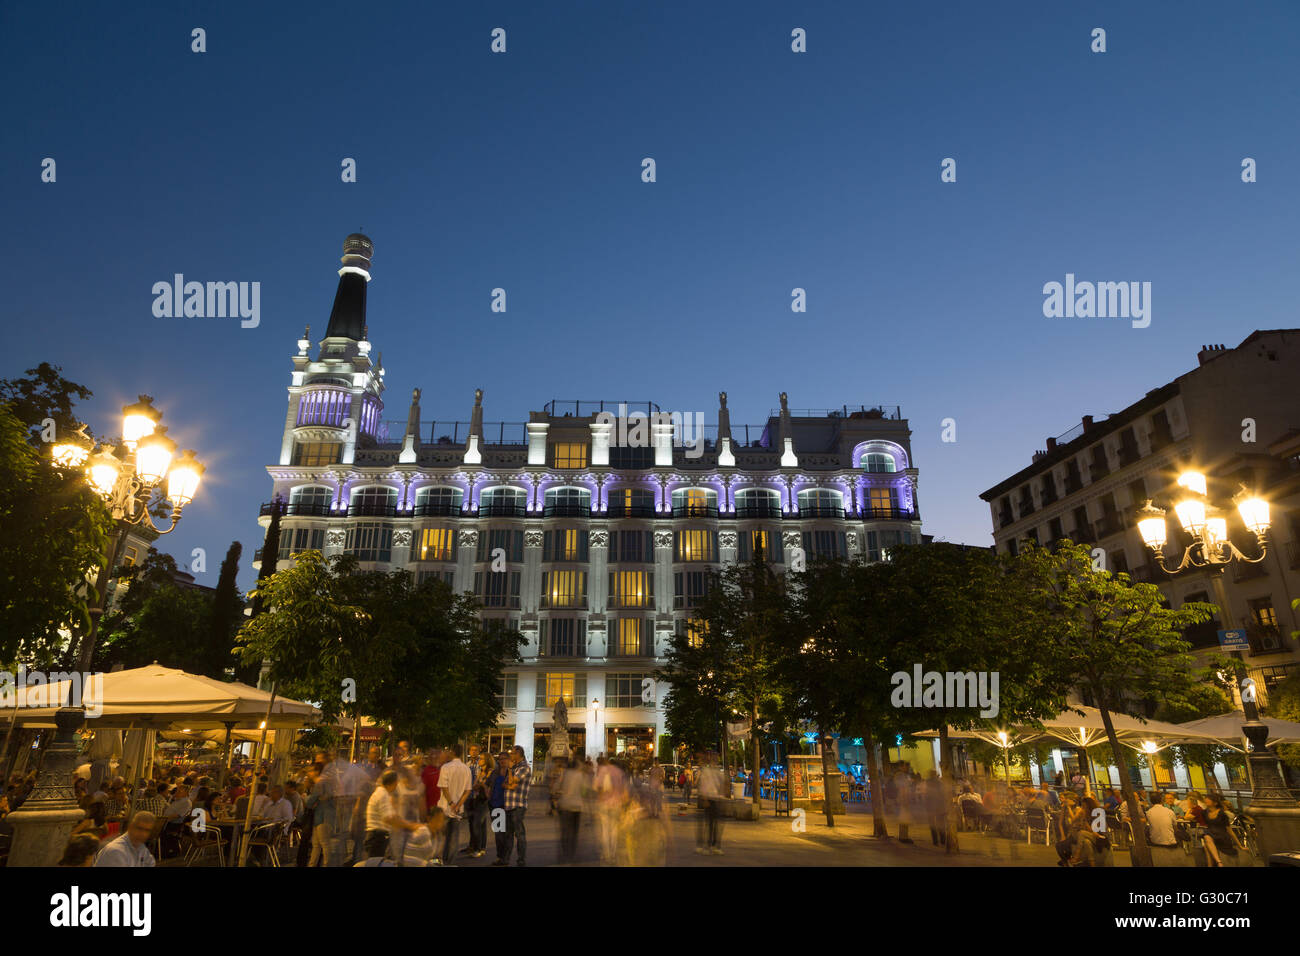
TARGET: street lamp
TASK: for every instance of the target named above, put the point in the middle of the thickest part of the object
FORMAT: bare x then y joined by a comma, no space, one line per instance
1205,524
1276,813
127,484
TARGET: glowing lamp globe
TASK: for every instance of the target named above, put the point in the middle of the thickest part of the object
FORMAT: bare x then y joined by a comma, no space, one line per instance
1151,525
153,455
183,479
103,472
139,420
1191,515
1254,513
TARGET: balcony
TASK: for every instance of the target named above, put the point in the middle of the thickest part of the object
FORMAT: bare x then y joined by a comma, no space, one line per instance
1083,534
372,509
1160,437
1149,574
502,509
1073,483
821,511
1026,506
763,509
298,510
499,600
688,600
1005,518
627,654
1293,555
1205,634
1128,455
631,511
442,509
695,511
577,602
888,514
564,649
566,509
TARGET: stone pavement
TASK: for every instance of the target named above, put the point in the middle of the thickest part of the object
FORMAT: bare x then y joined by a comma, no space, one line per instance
772,841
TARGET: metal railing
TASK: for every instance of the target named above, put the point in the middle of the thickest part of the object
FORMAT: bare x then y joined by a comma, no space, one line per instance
695,511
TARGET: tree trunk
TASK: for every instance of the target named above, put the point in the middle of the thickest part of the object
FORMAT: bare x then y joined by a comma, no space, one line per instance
946,758
1141,852
880,829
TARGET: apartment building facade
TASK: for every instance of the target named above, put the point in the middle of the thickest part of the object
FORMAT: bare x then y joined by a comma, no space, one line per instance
591,528
1236,418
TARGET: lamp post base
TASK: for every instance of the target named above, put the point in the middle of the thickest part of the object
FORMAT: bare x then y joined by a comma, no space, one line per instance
1275,811
44,822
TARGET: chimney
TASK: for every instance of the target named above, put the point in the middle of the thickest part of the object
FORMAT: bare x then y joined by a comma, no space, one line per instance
1209,353
1051,444
1038,455
1087,423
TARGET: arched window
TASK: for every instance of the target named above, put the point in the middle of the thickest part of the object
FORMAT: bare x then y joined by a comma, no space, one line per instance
376,500
878,462
758,503
438,501
310,500
631,503
695,503
567,502
821,503
503,501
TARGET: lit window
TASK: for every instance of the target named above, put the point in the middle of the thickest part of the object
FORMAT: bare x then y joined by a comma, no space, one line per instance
695,545
631,588
564,588
878,462
631,633
437,544
883,500
569,455
313,453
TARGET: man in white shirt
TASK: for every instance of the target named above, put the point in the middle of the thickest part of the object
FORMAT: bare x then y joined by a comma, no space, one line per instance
1162,837
382,817
130,849
453,783
180,805
711,783
278,809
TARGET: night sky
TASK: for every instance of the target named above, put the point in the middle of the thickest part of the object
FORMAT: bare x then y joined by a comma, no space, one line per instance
522,171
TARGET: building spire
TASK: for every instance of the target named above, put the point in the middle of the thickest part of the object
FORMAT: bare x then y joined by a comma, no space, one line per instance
473,443
348,318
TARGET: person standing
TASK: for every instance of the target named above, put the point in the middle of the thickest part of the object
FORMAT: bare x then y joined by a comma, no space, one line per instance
710,787
936,806
611,795
569,799
480,777
454,781
518,781
496,789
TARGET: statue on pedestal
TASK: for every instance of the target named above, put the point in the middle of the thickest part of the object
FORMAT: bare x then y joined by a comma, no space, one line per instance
560,729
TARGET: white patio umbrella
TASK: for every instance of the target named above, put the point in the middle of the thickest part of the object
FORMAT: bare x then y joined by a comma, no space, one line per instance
1226,729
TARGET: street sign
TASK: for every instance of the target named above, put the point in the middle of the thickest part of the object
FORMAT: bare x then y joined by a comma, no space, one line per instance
1234,640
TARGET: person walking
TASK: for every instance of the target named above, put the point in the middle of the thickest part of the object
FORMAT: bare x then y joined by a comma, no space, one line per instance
519,779
611,794
936,806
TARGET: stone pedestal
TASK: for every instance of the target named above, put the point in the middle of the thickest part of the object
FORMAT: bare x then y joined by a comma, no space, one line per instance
45,821
1276,813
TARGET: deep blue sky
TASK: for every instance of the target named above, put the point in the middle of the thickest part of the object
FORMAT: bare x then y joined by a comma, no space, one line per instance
522,170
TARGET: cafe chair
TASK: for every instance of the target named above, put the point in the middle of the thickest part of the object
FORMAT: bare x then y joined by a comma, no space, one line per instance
267,835
1036,820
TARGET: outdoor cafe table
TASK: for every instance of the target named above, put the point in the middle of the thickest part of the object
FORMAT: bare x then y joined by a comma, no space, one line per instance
231,828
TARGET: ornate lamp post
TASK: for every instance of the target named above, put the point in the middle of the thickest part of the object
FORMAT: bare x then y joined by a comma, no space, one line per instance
1276,814
127,482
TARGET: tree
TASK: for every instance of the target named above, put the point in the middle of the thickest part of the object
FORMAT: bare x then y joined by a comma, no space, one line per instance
373,643
738,631
227,613
44,395
1113,640
56,530
959,611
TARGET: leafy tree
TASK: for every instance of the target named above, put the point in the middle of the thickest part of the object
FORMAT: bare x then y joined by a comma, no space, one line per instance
1112,639
44,394
957,610
1284,703
735,667
374,643
55,531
